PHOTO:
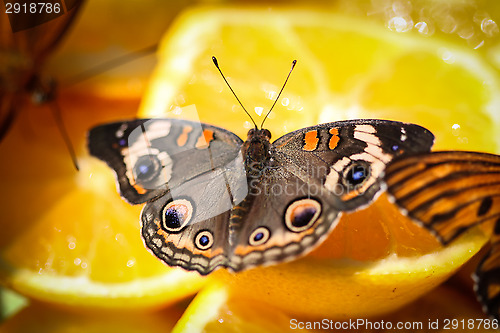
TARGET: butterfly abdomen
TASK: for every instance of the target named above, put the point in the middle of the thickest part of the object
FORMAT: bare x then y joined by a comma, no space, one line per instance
236,219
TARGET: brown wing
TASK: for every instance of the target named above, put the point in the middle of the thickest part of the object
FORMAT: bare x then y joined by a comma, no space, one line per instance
447,192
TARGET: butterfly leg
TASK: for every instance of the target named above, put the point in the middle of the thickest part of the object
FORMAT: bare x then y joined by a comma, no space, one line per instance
487,277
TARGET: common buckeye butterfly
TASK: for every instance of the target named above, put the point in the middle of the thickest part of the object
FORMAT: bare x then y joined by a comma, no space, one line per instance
214,200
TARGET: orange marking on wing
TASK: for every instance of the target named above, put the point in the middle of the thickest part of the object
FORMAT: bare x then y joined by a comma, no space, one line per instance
274,242
334,140
160,231
311,141
139,189
182,139
350,195
204,139
174,238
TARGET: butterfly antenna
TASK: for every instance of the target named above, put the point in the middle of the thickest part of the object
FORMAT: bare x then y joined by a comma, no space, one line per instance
56,112
214,59
276,100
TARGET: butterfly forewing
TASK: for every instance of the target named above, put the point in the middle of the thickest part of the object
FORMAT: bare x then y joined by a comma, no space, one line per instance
178,150
34,36
332,153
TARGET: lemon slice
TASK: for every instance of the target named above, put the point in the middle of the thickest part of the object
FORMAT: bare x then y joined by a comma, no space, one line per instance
376,260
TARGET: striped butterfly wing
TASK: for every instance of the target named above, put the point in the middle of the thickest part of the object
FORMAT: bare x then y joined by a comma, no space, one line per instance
449,192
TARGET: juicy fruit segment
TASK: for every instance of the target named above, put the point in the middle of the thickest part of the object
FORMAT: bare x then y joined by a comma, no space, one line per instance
346,69
442,309
42,318
346,288
67,236
205,307
376,233
373,263
213,310
375,260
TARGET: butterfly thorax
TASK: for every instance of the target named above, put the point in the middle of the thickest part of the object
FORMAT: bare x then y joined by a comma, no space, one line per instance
256,150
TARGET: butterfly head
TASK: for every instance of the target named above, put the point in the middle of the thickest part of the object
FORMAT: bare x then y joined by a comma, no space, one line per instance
255,134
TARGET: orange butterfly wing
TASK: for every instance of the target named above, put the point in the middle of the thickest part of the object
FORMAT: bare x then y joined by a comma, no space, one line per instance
448,193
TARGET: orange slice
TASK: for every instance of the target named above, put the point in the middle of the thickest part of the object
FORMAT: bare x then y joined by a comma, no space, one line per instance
214,310
43,318
67,236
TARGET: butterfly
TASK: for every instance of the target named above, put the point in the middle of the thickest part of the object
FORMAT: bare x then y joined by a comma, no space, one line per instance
449,192
25,42
214,200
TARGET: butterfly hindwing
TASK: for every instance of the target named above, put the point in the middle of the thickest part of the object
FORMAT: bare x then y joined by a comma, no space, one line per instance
179,231
285,216
487,277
